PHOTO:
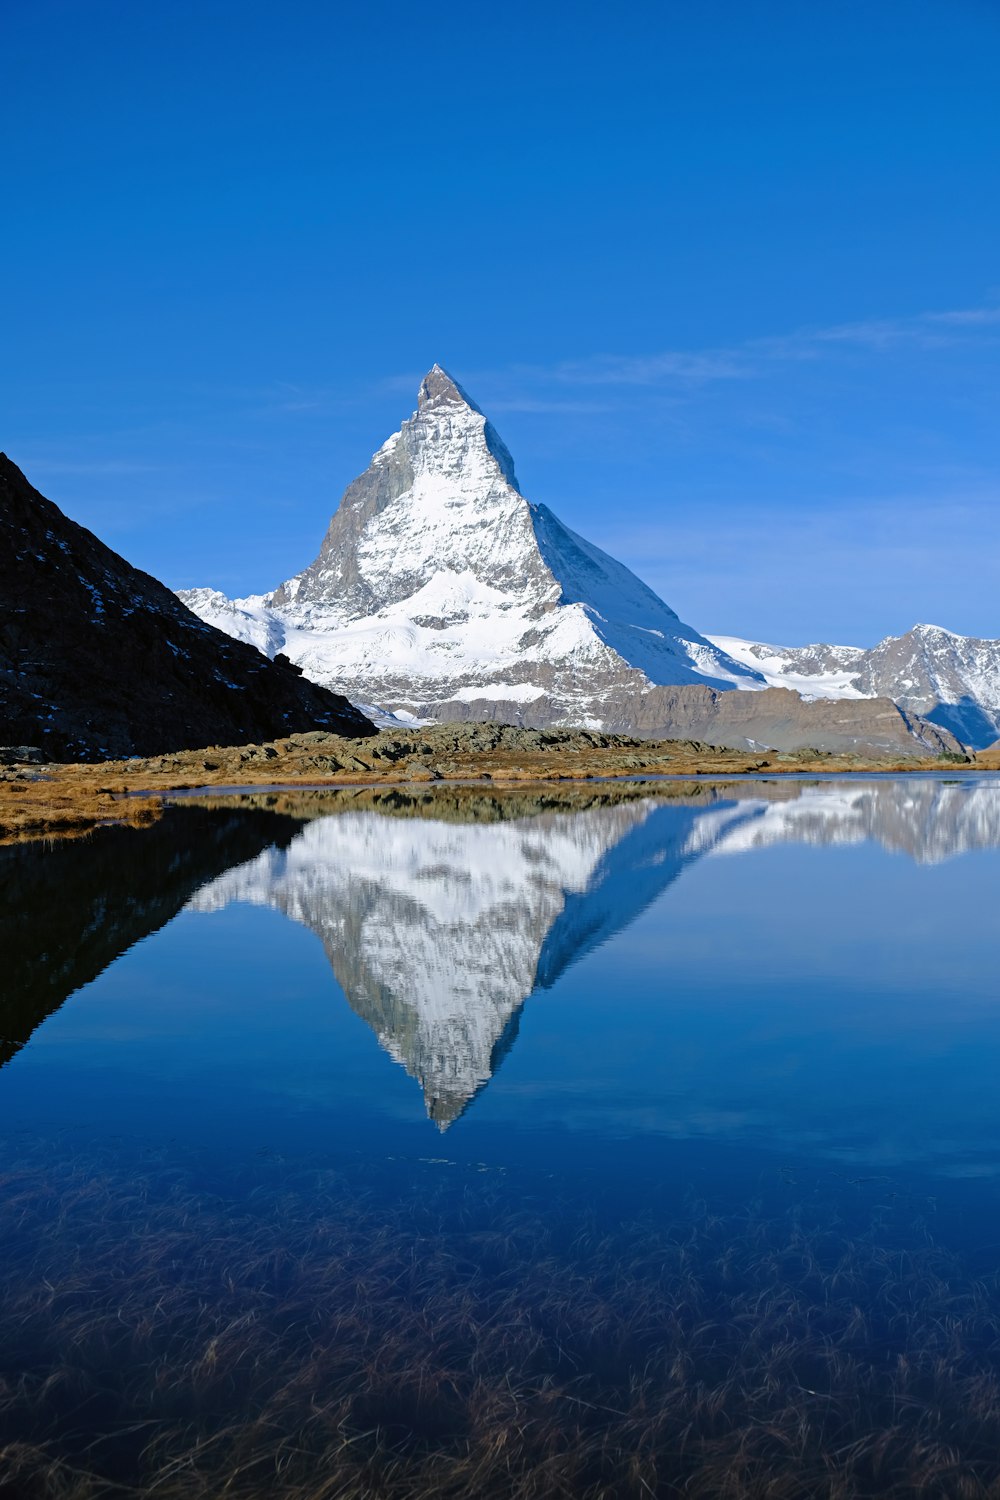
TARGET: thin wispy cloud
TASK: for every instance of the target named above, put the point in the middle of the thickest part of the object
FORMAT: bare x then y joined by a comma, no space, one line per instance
976,316
689,369
674,365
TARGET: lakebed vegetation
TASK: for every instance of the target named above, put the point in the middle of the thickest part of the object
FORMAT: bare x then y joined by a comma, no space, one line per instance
304,1334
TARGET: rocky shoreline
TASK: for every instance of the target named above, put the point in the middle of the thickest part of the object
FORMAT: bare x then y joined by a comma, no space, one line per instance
45,800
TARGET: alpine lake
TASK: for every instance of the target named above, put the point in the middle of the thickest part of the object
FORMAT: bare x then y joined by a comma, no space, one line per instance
624,1140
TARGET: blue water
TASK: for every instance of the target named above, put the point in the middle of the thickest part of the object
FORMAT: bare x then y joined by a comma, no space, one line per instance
752,998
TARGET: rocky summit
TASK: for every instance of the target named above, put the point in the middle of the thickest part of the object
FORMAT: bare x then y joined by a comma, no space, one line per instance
441,593
438,586
98,659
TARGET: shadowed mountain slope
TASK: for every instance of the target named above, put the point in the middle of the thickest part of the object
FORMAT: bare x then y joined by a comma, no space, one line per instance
98,659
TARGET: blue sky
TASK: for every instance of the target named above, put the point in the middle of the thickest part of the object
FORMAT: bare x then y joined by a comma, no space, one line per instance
725,276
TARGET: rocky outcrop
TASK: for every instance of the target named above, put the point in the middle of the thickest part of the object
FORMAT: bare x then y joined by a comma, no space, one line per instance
98,659
775,719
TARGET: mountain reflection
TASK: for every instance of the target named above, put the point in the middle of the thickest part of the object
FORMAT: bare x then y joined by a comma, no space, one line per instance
440,910
438,931
929,821
69,908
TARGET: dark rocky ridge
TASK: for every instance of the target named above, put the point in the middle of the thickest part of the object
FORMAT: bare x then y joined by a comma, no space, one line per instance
99,659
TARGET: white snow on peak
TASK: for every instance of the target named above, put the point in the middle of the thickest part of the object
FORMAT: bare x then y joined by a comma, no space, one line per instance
438,581
809,670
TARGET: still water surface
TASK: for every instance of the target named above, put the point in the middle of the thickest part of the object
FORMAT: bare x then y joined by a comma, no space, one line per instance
630,1140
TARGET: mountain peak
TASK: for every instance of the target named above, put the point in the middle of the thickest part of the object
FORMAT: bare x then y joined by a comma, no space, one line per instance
933,631
437,389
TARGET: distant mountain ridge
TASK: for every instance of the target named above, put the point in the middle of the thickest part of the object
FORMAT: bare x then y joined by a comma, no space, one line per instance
951,680
441,593
99,659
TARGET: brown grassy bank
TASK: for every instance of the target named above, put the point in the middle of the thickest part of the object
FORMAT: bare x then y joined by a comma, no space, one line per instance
60,799
64,806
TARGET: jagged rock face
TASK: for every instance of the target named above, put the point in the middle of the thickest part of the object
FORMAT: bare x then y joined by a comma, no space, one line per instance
98,659
952,680
438,581
440,496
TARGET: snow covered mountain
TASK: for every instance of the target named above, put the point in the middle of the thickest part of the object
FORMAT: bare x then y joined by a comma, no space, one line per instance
441,593
951,680
439,586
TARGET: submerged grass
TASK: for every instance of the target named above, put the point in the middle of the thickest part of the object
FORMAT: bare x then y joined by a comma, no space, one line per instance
307,1340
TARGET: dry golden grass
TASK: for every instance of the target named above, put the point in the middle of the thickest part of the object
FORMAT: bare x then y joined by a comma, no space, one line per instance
65,807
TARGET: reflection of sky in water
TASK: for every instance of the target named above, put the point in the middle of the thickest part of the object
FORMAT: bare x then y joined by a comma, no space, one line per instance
812,974
718,1183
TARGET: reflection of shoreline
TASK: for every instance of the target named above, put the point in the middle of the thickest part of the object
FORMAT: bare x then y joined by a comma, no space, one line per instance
929,821
440,909
75,906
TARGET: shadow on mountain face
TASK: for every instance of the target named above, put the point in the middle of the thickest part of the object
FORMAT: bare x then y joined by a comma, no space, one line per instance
967,721
68,909
630,875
